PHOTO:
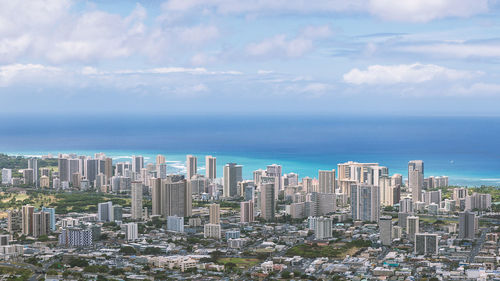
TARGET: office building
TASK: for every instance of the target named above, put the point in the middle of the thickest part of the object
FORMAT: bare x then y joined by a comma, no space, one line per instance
210,167
232,175
175,223
365,202
385,227
191,166
214,211
416,179
326,181
267,201
426,244
467,225
246,212
136,209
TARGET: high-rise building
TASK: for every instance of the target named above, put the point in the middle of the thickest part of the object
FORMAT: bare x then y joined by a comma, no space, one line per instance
274,171
160,159
63,168
105,211
52,213
416,179
131,231
307,185
76,237
137,163
385,227
28,177
406,205
232,175
322,228
326,181
27,219
365,202
459,193
33,164
246,212
467,225
478,201
44,182
108,169
212,231
426,244
430,197
191,166
267,201
350,173
175,223
214,213
14,221
249,193
136,209
41,223
412,227
156,196
91,169
6,176
210,167
397,179
117,213
176,199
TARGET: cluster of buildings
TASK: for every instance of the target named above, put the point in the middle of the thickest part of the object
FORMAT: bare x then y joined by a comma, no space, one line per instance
409,223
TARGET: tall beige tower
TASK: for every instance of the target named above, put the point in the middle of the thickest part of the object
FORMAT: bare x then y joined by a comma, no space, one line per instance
416,179
211,167
136,209
326,181
214,211
191,166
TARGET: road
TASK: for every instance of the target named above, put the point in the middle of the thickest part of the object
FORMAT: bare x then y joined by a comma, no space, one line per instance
479,243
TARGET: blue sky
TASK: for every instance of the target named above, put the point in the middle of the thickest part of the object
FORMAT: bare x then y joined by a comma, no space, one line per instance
374,57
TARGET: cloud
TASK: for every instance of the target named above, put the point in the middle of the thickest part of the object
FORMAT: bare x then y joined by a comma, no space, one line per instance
393,10
281,45
425,10
404,73
479,89
10,73
460,50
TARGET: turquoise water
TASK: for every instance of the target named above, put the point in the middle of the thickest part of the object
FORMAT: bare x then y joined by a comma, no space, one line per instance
465,149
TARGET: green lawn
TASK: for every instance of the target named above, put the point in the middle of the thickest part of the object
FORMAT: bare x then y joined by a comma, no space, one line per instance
240,262
332,251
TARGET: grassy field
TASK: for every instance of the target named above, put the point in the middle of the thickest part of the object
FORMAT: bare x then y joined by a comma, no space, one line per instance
244,263
339,250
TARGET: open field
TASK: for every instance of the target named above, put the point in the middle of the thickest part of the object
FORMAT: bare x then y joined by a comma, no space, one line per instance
243,263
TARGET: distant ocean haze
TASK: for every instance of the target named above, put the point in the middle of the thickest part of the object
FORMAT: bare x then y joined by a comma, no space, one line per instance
464,148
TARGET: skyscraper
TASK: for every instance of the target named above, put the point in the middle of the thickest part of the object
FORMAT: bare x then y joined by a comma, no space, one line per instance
214,211
63,167
326,181
210,167
156,196
175,199
191,166
322,228
385,227
412,227
136,208
27,219
365,202
6,176
416,179
467,225
108,169
33,164
274,171
41,223
267,201
137,163
232,175
160,159
246,211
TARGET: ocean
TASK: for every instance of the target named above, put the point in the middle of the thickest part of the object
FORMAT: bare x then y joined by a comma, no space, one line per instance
464,148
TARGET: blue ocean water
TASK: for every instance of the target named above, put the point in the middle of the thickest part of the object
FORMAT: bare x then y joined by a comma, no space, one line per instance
464,148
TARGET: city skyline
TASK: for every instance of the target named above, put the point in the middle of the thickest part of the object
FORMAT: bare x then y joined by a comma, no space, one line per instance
330,57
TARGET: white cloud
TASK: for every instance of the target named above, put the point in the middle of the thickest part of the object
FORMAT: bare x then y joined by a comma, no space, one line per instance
425,10
281,45
456,50
479,89
404,73
395,10
12,72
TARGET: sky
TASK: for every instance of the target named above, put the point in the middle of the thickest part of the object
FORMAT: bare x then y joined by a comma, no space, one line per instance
373,57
